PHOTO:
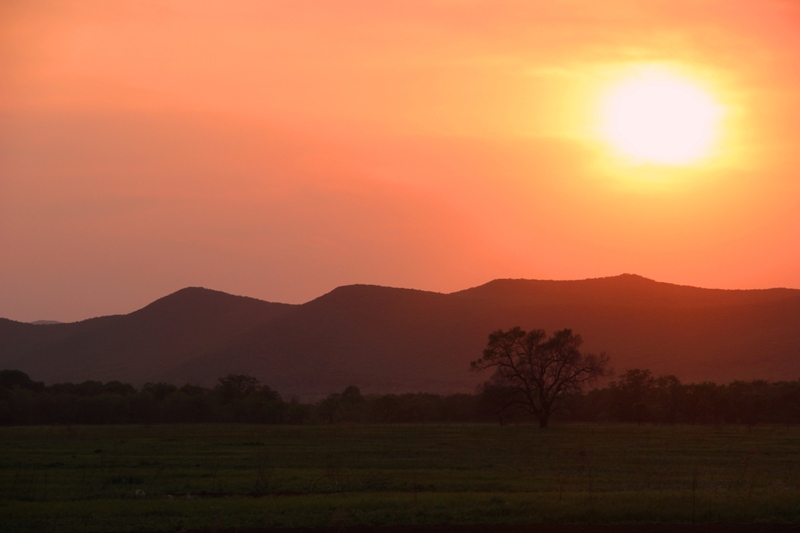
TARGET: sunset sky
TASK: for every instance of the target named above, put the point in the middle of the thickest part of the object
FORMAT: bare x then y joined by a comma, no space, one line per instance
278,149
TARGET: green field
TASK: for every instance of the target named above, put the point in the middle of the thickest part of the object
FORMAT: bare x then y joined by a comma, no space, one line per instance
161,478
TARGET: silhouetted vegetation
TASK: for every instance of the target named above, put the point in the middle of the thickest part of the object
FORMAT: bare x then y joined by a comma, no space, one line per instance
537,373
637,396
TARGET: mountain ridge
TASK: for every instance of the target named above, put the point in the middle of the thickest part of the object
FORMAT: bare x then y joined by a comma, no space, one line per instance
387,339
140,344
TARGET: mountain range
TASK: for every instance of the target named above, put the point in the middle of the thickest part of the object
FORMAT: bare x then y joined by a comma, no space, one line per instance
397,340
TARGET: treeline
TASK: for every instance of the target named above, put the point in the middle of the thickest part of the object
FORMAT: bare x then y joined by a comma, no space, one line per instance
637,396
235,398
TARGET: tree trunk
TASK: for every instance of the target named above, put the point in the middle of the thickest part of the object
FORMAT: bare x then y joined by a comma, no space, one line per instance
544,416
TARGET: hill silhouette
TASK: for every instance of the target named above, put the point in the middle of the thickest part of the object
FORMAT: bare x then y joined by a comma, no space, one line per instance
392,340
137,347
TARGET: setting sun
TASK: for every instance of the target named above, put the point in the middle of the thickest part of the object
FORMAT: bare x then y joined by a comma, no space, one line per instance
660,117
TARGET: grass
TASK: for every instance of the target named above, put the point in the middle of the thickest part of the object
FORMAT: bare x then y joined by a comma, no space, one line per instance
140,478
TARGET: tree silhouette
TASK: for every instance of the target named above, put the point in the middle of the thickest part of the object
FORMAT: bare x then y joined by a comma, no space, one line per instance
535,372
236,387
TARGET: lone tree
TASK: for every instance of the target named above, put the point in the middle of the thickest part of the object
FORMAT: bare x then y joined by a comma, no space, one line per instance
535,372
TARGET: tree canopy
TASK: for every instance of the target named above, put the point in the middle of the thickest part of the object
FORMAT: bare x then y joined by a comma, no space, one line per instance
535,372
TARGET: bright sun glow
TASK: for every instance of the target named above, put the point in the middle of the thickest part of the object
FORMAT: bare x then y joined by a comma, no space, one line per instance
660,117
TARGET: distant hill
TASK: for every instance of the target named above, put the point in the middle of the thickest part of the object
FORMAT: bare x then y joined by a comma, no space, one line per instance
392,340
137,347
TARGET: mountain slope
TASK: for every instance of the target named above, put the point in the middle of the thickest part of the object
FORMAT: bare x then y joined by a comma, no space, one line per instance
392,340
377,337
388,340
136,347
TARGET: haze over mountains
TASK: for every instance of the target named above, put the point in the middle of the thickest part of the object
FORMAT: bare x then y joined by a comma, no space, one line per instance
395,340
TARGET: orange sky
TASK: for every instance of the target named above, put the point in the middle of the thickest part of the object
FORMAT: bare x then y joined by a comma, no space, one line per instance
278,149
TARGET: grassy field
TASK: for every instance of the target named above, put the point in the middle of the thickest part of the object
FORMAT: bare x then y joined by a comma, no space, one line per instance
161,478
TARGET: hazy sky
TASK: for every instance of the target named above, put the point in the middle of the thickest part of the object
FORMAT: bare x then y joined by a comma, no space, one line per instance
278,149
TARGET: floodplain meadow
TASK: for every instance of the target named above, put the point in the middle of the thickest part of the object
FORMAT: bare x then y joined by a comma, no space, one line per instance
213,476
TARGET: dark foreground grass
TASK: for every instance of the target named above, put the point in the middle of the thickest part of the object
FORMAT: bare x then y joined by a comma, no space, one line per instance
161,478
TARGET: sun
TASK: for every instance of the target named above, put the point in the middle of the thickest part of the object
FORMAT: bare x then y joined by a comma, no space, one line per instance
660,117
